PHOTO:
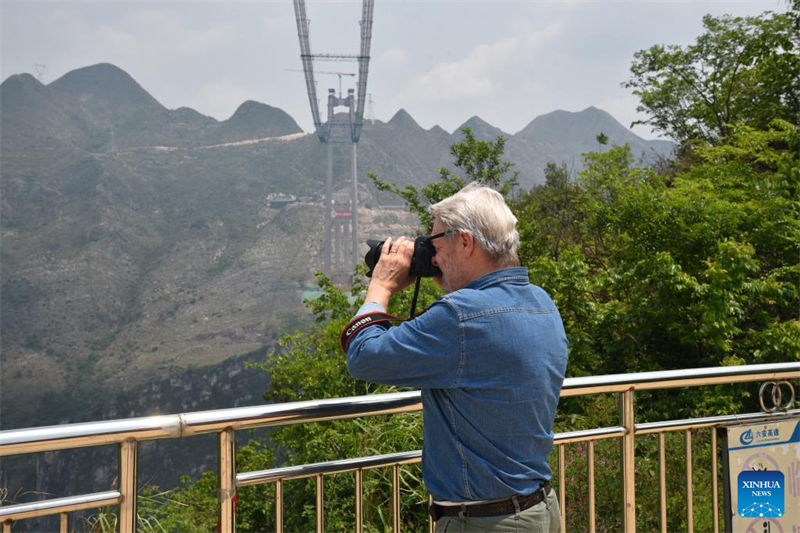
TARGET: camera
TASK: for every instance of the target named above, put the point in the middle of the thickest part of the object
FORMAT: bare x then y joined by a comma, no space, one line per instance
421,265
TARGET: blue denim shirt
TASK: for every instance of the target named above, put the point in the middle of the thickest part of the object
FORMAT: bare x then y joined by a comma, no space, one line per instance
490,360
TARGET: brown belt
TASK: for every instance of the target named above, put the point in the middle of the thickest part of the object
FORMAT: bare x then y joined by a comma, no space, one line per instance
491,509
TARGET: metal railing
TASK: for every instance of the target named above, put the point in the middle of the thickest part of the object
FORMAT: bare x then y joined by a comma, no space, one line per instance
225,422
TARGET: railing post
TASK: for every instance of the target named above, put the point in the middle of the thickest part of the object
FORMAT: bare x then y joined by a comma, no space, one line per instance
359,501
7,526
662,479
562,486
227,481
431,523
592,512
628,421
63,523
279,506
714,480
689,483
320,504
127,485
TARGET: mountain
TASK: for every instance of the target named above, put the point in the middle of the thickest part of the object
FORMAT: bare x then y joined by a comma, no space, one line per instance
102,108
35,117
402,151
254,120
481,129
138,241
103,95
561,136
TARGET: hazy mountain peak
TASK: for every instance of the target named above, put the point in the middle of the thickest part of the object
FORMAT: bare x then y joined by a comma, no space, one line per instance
402,119
253,120
107,82
438,130
579,124
480,129
253,107
475,121
21,80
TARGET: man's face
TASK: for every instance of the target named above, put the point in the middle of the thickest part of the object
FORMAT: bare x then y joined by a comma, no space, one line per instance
447,260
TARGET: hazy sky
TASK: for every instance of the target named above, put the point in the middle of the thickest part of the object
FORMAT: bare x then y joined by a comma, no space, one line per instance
444,62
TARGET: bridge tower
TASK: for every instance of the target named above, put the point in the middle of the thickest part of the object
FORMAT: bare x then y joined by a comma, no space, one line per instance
342,216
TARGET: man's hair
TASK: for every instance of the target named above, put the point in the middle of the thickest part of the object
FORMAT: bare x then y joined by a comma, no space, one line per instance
483,212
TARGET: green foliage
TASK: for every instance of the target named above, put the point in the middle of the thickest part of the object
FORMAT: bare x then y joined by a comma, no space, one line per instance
480,160
739,70
697,268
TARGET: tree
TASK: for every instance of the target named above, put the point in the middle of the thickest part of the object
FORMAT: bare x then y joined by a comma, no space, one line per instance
739,70
480,160
602,140
698,268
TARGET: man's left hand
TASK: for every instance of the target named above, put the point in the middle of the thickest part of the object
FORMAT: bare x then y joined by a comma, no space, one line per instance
392,272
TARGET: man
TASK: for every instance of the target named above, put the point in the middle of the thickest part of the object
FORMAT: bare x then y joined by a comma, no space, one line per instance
490,358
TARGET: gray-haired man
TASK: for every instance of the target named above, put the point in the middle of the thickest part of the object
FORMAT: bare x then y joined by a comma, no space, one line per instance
490,357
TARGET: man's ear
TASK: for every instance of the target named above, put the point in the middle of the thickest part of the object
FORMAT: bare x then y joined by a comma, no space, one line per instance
466,241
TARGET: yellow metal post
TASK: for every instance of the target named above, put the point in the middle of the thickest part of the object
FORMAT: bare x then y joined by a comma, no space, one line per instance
562,486
689,484
359,501
127,486
592,514
227,481
627,420
662,480
396,498
320,504
279,506
714,481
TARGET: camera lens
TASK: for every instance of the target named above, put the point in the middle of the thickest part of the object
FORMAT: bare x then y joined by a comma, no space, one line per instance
373,254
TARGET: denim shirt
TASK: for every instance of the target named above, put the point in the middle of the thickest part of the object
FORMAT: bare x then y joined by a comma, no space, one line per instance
490,360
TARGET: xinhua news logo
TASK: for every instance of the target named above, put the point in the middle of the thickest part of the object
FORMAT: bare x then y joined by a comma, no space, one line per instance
760,494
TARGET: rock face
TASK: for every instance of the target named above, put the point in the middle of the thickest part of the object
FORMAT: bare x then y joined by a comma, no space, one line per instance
138,241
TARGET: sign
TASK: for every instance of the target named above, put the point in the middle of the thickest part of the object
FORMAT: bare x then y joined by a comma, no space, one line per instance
764,477
343,214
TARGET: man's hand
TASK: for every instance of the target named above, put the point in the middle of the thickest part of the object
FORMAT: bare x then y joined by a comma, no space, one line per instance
391,274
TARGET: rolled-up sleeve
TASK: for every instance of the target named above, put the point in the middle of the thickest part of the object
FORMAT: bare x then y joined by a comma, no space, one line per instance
424,352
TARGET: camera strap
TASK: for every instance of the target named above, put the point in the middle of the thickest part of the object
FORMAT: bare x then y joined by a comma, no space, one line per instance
360,322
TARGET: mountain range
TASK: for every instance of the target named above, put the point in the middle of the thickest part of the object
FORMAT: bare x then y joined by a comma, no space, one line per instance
137,241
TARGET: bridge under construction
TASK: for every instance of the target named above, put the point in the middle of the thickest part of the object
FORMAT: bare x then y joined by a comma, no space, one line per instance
341,216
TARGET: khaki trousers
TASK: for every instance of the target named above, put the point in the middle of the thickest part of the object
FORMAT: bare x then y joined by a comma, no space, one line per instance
544,517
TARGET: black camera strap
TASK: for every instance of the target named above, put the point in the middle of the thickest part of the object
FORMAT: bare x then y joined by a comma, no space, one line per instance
360,322
414,300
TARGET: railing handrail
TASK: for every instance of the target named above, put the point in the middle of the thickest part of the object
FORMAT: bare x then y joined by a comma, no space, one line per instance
51,438
22,511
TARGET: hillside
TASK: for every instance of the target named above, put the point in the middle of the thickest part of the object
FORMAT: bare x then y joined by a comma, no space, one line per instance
138,242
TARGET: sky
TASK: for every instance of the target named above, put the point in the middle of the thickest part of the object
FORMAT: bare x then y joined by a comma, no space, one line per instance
442,61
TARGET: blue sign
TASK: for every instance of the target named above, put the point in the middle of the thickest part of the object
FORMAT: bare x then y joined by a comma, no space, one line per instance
761,494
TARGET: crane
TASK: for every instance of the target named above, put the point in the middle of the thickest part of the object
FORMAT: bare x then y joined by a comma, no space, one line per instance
340,74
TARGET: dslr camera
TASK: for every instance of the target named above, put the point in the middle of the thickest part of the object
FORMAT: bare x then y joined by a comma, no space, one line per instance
421,265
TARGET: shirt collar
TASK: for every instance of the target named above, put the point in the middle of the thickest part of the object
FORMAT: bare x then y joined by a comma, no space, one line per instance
513,274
